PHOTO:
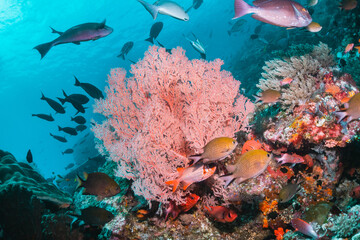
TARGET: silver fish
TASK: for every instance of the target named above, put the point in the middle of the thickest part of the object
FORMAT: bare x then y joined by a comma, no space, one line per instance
197,45
164,7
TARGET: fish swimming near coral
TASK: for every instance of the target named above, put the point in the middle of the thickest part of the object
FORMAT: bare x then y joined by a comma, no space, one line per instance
80,127
268,96
79,119
68,151
314,27
68,130
126,49
304,227
196,4
165,7
290,158
59,138
352,109
70,165
29,157
95,216
155,31
99,184
191,201
248,165
282,13
44,116
55,105
221,214
79,98
286,81
348,4
194,173
349,47
288,192
90,89
216,149
197,45
251,145
76,34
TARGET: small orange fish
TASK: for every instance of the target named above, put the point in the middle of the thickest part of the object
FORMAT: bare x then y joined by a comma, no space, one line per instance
221,214
349,47
191,174
286,81
191,201
251,145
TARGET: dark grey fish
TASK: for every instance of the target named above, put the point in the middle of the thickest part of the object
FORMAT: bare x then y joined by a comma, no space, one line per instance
69,166
99,184
155,31
81,127
237,26
126,49
95,216
80,33
90,89
98,158
166,49
68,151
44,116
79,107
61,139
55,105
68,130
82,141
29,157
80,98
196,4
79,120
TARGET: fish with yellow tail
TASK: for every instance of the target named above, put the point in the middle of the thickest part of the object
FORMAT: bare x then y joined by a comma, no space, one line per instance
194,173
216,149
248,165
99,184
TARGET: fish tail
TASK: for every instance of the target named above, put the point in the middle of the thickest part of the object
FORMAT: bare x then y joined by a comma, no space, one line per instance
77,82
173,182
34,115
150,39
195,158
340,115
42,96
64,93
60,129
62,100
227,179
241,8
152,9
122,55
44,48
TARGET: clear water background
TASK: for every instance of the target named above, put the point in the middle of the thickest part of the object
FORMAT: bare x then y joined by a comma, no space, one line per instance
25,24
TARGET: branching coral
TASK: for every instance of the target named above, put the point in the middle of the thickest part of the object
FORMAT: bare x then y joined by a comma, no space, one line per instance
170,108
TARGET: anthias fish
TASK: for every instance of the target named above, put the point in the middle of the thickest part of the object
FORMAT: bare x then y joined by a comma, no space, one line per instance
216,149
90,89
155,31
282,13
165,7
126,49
44,116
99,184
80,33
55,105
290,158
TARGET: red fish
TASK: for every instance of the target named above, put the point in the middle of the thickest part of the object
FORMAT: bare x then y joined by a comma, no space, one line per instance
286,81
191,201
282,13
349,47
293,158
221,214
355,193
304,227
191,174
251,145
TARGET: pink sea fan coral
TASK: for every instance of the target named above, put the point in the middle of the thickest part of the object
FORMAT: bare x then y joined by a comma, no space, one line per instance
168,109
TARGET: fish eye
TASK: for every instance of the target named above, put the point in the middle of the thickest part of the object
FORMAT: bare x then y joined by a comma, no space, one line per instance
268,155
234,142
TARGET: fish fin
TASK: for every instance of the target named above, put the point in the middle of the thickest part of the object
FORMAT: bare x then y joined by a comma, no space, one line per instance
133,62
62,100
195,158
42,96
241,8
175,183
122,55
54,31
180,170
101,25
152,9
77,83
203,55
186,185
150,39
257,98
44,48
340,115
77,43
86,175
79,180
228,179
160,44
257,17
60,129
189,8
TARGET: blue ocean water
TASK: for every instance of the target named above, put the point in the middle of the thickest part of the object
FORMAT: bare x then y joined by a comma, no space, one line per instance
23,76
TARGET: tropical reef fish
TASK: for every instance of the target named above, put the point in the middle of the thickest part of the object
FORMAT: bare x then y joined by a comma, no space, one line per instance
312,3
79,120
268,96
304,227
80,127
191,201
95,216
352,109
355,192
237,26
155,31
286,81
68,151
250,145
290,158
90,89
221,214
29,157
55,105
69,166
76,34
216,149
44,116
349,47
99,184
61,139
68,130
126,49
192,174
348,4
165,7
282,13
79,98
248,165
288,192
198,46
314,27
196,4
